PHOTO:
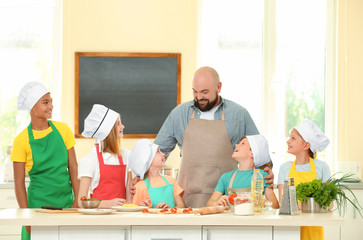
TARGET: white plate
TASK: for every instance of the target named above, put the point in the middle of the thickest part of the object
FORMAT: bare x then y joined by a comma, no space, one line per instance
96,211
132,209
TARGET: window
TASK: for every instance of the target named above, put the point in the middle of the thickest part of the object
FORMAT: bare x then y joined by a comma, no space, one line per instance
30,50
277,59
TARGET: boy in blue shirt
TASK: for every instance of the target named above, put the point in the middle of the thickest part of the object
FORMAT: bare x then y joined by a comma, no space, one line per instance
250,152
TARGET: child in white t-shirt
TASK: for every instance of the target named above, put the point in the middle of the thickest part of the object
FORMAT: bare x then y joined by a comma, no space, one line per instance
104,172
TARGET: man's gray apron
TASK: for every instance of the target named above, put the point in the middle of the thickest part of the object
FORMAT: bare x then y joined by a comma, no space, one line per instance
206,155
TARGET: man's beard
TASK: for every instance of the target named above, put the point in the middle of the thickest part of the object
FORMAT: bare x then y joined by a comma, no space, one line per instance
206,107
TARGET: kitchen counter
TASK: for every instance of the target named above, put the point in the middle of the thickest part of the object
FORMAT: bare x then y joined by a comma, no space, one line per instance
13,216
50,224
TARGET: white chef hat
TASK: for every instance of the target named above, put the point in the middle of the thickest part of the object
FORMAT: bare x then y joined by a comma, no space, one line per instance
141,157
259,148
30,94
312,134
99,122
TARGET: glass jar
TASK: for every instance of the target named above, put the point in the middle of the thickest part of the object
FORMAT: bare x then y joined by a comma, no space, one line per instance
243,204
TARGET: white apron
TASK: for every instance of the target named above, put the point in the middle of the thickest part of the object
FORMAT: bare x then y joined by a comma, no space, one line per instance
206,155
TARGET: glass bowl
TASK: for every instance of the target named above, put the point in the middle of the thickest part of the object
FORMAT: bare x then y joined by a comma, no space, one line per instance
90,203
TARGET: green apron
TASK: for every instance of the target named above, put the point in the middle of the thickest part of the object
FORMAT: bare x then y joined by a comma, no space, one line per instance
50,183
161,194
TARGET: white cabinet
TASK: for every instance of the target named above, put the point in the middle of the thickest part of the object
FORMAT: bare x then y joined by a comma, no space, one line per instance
353,228
166,232
94,233
80,232
8,200
237,233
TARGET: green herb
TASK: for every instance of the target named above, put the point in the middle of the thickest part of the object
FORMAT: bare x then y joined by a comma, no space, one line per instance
325,193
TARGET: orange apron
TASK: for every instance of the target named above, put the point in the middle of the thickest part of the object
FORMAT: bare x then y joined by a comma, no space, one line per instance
207,154
314,232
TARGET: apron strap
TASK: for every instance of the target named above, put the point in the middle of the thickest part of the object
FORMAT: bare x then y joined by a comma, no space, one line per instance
232,179
193,113
166,181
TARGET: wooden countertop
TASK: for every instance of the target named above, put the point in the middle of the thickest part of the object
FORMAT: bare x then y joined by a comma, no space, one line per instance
13,216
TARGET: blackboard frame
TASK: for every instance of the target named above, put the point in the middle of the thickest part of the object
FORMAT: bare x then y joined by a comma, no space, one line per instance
78,55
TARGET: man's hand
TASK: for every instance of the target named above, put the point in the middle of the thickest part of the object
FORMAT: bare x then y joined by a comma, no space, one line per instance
270,176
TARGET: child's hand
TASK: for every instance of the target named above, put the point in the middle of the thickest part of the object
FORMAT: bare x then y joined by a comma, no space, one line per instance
112,202
223,201
145,202
162,205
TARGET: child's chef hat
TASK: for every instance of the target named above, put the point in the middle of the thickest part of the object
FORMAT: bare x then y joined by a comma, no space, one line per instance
311,133
30,94
141,157
259,147
99,122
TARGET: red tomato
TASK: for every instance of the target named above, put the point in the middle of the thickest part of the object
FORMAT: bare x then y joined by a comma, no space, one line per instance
164,210
145,211
173,210
83,198
185,211
231,198
190,209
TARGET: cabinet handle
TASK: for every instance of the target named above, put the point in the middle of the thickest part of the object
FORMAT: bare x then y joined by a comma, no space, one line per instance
207,235
166,239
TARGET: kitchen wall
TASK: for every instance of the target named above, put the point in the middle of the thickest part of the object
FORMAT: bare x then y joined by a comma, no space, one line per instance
171,26
350,81
127,26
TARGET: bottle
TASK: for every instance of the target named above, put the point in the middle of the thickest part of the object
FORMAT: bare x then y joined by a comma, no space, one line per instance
257,187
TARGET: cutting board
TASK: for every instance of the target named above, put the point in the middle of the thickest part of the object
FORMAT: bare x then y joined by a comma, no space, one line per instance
69,210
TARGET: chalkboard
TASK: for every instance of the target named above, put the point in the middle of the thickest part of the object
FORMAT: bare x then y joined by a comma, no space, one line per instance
142,87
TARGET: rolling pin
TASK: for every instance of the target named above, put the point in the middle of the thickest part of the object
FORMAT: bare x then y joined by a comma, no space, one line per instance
211,210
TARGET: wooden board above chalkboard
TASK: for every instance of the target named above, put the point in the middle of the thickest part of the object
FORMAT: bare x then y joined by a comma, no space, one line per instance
142,87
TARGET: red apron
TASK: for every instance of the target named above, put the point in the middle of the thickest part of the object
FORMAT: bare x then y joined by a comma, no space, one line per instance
112,180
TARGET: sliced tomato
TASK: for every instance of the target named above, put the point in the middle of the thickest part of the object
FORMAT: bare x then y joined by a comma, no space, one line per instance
190,209
83,198
164,210
185,211
145,210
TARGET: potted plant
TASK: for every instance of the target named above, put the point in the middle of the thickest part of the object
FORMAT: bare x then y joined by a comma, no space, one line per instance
325,193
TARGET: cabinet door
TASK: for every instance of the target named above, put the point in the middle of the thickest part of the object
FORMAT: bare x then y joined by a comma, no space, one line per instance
166,232
93,233
234,233
353,228
8,200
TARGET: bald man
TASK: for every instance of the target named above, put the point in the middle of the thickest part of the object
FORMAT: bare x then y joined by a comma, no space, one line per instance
206,129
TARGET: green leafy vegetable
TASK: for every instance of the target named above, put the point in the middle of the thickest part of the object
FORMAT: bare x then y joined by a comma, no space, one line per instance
325,193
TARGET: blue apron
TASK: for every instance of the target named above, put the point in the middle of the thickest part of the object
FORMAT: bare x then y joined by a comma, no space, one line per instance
163,194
